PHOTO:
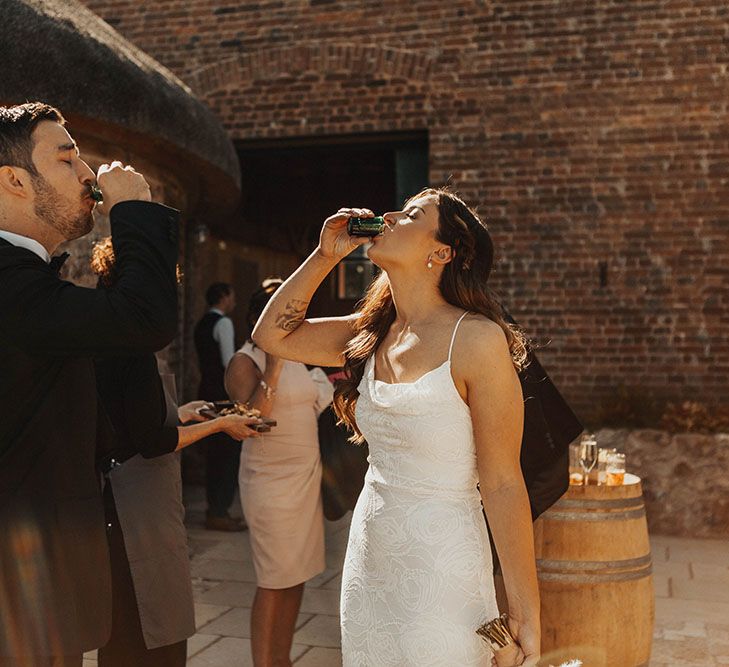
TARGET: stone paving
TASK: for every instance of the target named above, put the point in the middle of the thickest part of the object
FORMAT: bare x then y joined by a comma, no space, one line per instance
691,581
692,602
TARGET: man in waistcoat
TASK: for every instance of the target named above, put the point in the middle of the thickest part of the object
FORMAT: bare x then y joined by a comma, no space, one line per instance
215,344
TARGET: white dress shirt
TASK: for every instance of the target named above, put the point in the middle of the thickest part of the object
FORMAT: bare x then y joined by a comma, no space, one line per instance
26,242
224,336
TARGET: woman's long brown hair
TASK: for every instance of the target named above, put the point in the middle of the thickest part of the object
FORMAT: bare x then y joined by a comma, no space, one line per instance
462,284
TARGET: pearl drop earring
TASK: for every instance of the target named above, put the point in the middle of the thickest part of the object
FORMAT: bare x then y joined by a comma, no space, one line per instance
430,263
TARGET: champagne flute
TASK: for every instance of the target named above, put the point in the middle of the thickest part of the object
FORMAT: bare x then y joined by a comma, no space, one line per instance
588,457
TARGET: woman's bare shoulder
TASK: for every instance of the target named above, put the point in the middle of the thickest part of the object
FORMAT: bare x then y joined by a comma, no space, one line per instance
478,328
481,342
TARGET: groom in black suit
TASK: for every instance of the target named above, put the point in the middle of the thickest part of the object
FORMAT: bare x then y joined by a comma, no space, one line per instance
54,563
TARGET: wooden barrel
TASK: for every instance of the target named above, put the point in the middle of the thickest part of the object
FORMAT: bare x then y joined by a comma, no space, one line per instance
595,577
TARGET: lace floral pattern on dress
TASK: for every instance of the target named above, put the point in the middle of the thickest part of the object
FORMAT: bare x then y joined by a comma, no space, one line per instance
417,578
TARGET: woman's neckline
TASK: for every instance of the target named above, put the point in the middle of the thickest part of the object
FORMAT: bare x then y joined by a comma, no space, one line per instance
395,384
373,369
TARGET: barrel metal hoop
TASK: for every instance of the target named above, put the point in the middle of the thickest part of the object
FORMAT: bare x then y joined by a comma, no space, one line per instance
626,564
576,578
617,503
597,516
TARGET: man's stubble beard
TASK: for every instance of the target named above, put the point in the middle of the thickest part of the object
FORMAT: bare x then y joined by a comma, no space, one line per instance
51,209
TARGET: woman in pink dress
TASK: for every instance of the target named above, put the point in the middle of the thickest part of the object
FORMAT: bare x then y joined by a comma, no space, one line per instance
280,485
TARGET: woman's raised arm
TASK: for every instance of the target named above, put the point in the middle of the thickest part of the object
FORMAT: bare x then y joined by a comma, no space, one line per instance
283,329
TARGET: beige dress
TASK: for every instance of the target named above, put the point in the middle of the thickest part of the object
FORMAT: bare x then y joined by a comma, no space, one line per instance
280,482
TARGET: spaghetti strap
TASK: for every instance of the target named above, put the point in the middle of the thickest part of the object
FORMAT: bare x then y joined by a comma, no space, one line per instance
455,331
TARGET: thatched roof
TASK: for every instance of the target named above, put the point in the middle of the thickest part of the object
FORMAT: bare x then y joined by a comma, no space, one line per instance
60,52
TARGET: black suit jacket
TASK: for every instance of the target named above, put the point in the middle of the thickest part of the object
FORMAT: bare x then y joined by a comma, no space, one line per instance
54,565
142,420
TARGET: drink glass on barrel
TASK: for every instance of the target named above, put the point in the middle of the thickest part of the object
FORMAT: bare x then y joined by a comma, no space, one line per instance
602,458
588,456
575,469
615,470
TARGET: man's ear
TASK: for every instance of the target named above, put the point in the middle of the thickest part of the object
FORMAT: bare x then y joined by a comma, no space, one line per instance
14,181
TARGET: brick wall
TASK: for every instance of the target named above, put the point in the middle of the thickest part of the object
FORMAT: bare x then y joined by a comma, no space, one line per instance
592,134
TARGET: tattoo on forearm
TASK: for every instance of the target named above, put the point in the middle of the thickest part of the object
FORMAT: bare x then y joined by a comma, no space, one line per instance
293,315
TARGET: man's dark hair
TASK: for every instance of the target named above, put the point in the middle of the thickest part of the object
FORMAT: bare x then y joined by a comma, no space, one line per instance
16,128
216,292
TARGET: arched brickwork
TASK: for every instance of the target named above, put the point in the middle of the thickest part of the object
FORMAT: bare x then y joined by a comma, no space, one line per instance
592,135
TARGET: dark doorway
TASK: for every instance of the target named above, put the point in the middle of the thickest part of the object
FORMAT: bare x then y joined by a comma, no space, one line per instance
291,186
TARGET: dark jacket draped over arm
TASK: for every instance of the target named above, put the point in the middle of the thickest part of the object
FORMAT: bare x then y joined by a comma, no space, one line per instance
132,395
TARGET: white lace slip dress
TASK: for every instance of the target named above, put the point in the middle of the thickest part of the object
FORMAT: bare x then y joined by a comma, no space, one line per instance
417,578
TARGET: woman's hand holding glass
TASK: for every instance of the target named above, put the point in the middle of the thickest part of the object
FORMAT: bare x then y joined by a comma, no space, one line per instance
334,241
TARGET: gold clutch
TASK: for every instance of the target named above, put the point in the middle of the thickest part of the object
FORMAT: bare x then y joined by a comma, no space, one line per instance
496,633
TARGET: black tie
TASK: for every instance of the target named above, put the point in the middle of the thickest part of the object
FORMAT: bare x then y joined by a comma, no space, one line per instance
57,262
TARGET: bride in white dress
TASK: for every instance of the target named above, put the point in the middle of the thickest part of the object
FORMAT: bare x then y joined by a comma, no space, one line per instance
433,389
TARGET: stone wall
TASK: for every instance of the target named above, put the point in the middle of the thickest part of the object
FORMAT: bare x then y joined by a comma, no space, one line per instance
592,135
685,479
